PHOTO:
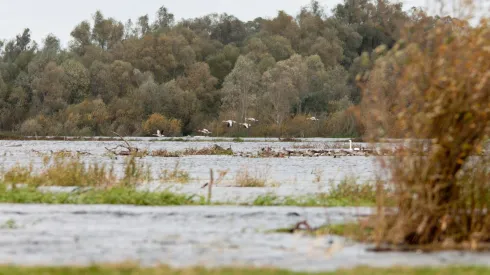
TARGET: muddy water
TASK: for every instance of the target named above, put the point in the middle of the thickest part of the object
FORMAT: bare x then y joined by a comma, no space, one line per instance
285,176
188,236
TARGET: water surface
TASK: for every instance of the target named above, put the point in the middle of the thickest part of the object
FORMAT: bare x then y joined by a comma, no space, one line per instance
189,236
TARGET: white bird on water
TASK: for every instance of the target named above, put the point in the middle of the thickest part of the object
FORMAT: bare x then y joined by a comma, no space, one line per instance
229,122
350,146
158,134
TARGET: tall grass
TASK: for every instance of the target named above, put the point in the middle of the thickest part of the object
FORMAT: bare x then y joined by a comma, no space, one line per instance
175,175
246,178
70,170
433,89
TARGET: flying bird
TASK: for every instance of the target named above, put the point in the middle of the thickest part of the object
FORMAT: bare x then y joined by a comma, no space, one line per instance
204,131
229,123
251,119
245,125
158,134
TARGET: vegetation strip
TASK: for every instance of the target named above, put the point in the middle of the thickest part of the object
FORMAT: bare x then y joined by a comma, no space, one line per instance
117,195
129,270
132,196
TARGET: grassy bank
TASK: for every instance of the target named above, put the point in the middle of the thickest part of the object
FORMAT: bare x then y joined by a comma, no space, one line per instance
348,192
116,195
131,196
120,270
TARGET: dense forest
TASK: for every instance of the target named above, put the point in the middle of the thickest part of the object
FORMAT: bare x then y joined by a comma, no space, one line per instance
136,77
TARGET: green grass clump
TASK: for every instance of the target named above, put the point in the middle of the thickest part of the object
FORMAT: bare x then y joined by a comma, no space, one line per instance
318,200
355,231
130,270
349,189
347,193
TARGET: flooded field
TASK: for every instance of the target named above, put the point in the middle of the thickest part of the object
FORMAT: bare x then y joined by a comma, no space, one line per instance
284,176
199,235
189,236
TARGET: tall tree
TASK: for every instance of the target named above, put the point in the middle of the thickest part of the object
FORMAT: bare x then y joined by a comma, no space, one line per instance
164,19
82,37
240,88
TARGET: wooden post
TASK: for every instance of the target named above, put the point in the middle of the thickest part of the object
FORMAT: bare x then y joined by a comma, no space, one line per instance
210,186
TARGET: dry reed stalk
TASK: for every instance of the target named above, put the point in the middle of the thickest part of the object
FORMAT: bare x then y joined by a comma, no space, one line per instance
433,90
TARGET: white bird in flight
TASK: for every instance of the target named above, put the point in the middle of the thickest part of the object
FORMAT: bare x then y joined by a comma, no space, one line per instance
245,125
158,134
204,131
229,122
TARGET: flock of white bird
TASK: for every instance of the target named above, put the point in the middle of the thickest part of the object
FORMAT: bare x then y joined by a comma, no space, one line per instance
229,123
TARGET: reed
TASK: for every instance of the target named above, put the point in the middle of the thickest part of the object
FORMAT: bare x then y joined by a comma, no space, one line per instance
433,90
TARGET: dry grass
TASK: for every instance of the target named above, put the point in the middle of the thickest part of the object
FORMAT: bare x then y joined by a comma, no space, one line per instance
433,88
208,151
175,175
245,178
70,170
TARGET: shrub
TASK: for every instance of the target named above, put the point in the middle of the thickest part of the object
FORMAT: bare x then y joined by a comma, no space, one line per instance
341,124
433,88
168,126
31,127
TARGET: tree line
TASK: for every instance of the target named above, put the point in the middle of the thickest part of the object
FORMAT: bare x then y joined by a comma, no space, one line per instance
136,77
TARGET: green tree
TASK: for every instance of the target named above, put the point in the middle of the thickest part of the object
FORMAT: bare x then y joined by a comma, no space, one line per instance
240,88
164,19
81,37
76,81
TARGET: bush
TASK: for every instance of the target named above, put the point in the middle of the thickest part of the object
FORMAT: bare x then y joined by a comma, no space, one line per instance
433,89
341,124
31,127
168,126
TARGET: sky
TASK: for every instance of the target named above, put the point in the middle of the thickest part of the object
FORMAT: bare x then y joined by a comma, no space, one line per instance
59,17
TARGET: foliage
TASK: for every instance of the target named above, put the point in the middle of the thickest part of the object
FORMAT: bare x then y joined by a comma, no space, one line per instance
432,88
168,127
194,72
